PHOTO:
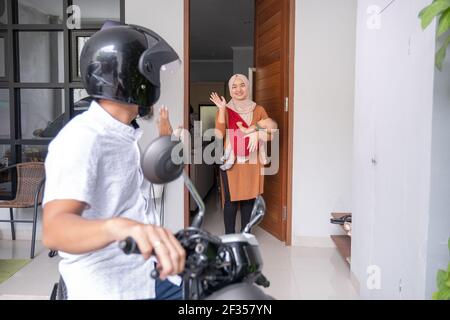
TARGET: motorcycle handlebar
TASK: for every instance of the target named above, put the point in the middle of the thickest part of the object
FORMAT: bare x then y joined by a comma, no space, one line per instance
129,246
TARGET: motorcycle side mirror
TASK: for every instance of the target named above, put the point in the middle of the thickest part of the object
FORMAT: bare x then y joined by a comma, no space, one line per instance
162,163
258,212
157,162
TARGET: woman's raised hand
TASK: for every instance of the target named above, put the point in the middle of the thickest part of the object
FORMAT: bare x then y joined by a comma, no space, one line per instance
164,127
220,102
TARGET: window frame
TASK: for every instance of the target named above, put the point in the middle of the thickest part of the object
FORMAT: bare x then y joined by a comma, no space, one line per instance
10,32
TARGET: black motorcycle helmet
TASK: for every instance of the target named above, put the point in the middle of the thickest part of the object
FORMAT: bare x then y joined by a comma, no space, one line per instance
123,63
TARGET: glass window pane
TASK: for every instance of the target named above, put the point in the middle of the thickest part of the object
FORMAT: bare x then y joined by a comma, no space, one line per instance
3,12
41,56
78,42
79,94
5,176
41,112
81,41
97,12
4,114
2,57
5,156
40,11
79,108
34,153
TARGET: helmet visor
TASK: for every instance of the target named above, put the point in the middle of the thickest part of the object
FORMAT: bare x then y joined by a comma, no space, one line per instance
171,67
159,57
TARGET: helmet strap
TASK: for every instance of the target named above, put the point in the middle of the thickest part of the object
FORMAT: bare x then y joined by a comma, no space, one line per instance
145,111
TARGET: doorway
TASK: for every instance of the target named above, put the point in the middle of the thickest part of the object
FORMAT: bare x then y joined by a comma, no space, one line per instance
254,38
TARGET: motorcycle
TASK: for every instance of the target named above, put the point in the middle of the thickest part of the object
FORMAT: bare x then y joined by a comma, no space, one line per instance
227,267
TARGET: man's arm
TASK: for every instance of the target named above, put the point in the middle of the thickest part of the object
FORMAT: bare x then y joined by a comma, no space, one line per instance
64,229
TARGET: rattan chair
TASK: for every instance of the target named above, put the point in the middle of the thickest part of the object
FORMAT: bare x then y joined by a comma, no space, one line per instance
30,182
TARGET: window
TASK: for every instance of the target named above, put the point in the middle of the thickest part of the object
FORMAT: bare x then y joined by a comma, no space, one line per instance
39,74
2,57
94,13
40,12
3,12
78,40
5,120
5,176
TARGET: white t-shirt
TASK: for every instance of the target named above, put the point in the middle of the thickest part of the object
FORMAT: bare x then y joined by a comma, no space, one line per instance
96,159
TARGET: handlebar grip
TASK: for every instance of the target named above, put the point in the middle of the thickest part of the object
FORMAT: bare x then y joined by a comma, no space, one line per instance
155,274
262,281
129,246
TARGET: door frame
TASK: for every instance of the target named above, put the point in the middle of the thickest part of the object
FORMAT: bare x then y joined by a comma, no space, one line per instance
187,80
291,58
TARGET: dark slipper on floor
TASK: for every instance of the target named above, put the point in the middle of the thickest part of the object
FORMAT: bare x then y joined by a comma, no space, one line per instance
341,220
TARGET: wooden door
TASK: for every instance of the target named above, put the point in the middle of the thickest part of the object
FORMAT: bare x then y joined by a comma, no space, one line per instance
271,91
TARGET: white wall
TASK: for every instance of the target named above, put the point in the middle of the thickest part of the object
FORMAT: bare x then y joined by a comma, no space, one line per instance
323,115
166,19
393,112
439,226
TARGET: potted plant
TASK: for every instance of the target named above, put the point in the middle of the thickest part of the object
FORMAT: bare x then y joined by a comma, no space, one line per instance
439,9
443,283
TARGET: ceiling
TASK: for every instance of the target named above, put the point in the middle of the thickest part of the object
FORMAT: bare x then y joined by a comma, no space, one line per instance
219,25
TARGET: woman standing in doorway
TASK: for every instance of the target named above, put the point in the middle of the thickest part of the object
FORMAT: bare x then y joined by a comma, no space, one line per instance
244,181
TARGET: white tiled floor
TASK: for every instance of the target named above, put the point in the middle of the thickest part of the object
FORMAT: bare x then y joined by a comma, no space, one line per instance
294,272
34,281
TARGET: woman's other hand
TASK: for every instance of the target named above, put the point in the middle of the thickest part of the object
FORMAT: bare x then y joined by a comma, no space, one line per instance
164,127
253,142
220,102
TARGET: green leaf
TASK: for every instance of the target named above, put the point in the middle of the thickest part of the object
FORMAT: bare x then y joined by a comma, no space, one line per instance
448,243
441,279
444,23
445,295
441,295
440,55
429,13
